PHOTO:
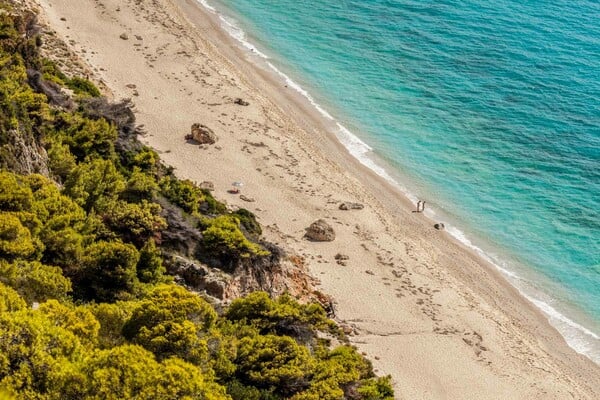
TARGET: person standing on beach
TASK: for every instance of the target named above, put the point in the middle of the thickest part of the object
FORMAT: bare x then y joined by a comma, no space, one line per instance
419,206
423,206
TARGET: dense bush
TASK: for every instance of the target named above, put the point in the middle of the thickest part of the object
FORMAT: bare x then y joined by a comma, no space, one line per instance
82,87
10,299
248,222
182,193
85,137
222,235
150,268
108,272
35,281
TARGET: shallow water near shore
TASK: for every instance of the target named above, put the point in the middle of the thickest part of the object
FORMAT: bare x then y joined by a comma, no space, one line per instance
488,110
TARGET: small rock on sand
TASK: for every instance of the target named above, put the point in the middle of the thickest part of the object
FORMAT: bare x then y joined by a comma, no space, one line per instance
351,206
347,329
207,185
341,259
320,231
124,36
246,198
439,226
241,102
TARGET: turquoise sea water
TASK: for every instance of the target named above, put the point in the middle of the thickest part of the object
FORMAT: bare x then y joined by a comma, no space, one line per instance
489,110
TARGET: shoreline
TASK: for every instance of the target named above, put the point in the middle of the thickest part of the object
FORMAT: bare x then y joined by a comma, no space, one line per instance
560,320
484,289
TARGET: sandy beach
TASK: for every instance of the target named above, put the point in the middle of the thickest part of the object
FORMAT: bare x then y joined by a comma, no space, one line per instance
426,310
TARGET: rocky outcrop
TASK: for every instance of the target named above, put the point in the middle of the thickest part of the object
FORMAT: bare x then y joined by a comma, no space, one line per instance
122,116
351,206
22,153
201,134
275,274
199,277
320,231
181,236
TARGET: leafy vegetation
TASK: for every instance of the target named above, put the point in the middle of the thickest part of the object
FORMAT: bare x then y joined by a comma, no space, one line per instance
86,308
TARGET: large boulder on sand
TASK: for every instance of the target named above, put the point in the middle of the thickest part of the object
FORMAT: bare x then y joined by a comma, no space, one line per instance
201,134
320,231
351,206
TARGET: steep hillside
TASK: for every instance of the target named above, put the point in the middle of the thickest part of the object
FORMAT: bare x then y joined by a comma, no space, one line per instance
113,271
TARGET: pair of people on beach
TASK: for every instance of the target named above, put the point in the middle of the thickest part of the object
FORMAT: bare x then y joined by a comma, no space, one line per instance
420,206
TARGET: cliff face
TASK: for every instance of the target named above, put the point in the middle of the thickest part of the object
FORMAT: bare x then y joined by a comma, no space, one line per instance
20,152
20,148
276,274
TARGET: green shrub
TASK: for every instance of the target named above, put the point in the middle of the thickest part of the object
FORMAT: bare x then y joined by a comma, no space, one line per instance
78,320
377,389
249,223
170,323
108,272
36,356
10,299
130,372
168,302
35,281
150,268
112,318
222,235
60,160
182,193
282,316
14,194
94,183
140,186
52,73
321,390
85,136
146,160
83,87
274,362
211,205
15,239
134,222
